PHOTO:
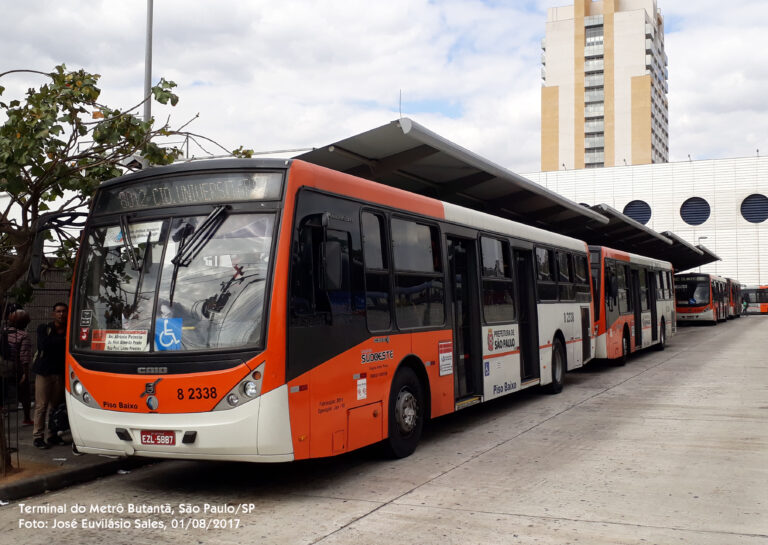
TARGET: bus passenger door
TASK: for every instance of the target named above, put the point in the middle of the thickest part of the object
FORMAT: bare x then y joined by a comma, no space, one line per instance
528,315
586,328
462,263
653,285
638,309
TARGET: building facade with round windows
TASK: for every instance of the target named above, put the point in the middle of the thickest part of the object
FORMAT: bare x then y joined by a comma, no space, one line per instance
720,203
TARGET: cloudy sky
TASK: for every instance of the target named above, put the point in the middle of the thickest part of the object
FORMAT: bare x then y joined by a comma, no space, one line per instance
302,73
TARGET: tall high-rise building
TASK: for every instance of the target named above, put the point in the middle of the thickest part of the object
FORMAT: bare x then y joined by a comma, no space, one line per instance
604,93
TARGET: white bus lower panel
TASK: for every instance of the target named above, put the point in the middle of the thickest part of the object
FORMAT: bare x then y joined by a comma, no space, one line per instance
706,316
257,431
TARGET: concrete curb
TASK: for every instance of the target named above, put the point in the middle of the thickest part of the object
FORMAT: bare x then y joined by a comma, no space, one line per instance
61,479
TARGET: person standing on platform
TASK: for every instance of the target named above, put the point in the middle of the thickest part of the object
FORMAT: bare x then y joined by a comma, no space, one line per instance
49,371
21,348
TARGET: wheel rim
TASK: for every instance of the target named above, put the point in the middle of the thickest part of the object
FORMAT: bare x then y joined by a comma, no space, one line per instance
406,411
625,346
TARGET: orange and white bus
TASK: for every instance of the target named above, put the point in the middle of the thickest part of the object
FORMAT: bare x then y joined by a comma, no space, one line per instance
733,293
701,298
634,303
271,310
757,299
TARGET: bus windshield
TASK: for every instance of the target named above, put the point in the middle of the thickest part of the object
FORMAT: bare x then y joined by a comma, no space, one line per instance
186,283
692,290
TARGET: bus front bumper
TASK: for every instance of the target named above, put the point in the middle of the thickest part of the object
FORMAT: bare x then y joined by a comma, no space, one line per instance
706,316
257,431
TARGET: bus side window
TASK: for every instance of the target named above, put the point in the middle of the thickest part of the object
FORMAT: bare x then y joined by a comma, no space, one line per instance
545,274
376,256
643,277
321,277
419,291
564,277
581,278
611,286
307,305
625,301
498,286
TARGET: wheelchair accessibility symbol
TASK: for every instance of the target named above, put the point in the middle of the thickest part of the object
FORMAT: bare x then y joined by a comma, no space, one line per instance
168,334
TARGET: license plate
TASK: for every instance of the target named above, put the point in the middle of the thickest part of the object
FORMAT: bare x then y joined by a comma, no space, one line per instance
154,437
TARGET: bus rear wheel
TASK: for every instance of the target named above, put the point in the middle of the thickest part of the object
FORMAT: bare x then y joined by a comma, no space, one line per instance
558,368
624,349
406,413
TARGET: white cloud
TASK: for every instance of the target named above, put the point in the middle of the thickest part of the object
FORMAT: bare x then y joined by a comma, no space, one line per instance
303,73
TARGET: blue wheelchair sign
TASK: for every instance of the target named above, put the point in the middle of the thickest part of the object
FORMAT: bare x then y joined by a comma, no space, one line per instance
168,334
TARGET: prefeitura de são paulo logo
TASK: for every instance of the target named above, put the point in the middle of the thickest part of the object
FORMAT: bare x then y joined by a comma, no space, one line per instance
490,340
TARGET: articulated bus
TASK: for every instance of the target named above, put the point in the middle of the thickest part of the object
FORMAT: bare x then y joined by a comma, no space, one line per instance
757,299
701,298
270,310
733,292
634,303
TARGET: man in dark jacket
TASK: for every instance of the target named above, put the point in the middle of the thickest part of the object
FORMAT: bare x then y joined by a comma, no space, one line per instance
49,371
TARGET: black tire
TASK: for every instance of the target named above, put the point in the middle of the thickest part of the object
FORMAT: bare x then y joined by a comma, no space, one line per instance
406,413
558,368
625,349
662,337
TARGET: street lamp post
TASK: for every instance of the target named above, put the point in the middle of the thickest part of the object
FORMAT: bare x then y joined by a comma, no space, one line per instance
148,64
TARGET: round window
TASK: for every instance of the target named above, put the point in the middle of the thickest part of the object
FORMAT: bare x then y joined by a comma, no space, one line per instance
695,211
754,208
639,211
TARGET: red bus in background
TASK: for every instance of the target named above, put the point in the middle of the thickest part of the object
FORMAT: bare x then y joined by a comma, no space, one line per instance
757,299
701,298
634,303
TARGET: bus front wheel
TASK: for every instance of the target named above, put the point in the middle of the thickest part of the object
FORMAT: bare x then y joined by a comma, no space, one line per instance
406,413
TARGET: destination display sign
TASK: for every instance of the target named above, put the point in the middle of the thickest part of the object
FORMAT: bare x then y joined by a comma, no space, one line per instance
209,188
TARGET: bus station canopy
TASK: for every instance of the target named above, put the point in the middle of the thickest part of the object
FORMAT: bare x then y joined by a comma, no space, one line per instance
408,156
624,233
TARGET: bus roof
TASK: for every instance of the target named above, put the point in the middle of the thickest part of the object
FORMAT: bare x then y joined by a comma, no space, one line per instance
634,258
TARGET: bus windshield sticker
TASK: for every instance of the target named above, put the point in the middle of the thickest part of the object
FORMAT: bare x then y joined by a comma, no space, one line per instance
445,351
138,232
168,333
117,340
85,318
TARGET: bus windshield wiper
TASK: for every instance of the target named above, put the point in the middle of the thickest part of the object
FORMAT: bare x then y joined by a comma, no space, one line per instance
141,273
127,242
190,247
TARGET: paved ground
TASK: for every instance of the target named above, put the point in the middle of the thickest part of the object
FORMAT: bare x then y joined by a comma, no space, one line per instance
671,448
